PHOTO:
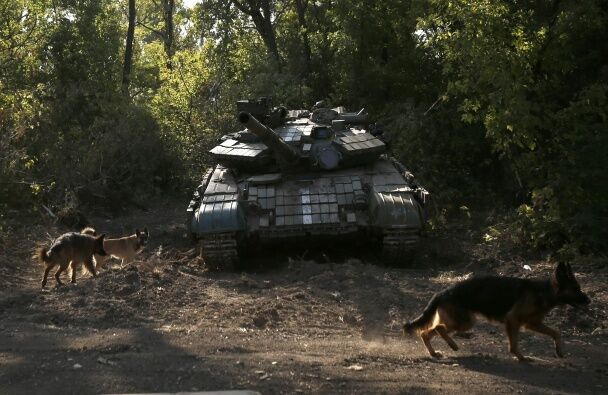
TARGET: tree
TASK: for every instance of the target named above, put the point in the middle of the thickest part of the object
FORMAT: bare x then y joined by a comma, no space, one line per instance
126,73
168,11
533,74
158,19
301,8
261,13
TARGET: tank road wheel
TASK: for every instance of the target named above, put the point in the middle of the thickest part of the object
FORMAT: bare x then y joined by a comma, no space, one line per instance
219,251
399,246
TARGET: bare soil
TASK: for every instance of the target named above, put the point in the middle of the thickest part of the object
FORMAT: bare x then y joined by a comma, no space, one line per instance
288,325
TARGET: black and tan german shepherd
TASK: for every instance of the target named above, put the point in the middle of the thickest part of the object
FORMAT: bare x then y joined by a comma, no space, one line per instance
516,302
70,249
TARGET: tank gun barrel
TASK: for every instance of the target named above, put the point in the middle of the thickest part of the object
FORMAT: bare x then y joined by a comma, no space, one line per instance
355,118
284,152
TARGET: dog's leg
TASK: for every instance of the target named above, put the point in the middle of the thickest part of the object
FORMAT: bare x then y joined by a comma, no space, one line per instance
512,327
127,259
100,261
46,274
59,271
88,263
444,334
426,337
74,267
545,330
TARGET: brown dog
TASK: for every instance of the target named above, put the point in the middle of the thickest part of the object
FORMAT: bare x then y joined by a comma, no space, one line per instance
513,301
124,248
70,249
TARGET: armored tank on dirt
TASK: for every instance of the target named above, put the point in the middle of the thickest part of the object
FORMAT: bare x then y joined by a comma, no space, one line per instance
303,174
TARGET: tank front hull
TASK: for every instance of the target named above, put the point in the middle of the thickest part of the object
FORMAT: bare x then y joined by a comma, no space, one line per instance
373,200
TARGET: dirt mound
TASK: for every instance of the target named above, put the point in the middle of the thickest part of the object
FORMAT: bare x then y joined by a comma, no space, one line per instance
164,323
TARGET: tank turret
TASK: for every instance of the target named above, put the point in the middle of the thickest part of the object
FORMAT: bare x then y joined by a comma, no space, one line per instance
285,154
325,139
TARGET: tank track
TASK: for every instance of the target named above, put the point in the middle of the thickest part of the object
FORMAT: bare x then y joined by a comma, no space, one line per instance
399,245
219,251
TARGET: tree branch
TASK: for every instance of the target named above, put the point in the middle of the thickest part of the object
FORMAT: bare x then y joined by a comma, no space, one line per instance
241,7
161,34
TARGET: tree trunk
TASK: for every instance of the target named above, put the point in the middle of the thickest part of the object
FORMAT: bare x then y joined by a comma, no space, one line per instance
301,6
270,38
168,10
126,71
262,20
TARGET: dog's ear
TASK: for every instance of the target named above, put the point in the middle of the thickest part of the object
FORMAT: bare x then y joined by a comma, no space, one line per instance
101,237
137,231
146,231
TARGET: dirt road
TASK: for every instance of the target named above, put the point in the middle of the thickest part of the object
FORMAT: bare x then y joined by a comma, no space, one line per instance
166,324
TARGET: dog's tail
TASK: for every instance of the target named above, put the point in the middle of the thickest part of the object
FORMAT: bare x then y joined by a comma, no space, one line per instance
42,254
89,231
424,320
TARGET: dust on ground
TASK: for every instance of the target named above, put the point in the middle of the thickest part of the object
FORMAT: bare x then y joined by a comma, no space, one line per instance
166,324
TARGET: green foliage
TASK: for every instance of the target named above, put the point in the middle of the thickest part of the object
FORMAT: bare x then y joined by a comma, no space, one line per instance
433,147
487,102
533,74
67,130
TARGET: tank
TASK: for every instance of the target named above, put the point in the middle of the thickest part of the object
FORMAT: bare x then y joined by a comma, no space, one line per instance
298,175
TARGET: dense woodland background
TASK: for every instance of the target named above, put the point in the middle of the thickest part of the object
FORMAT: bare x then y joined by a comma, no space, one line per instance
493,104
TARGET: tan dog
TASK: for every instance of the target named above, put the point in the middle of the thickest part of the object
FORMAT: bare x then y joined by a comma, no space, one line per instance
71,249
124,248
